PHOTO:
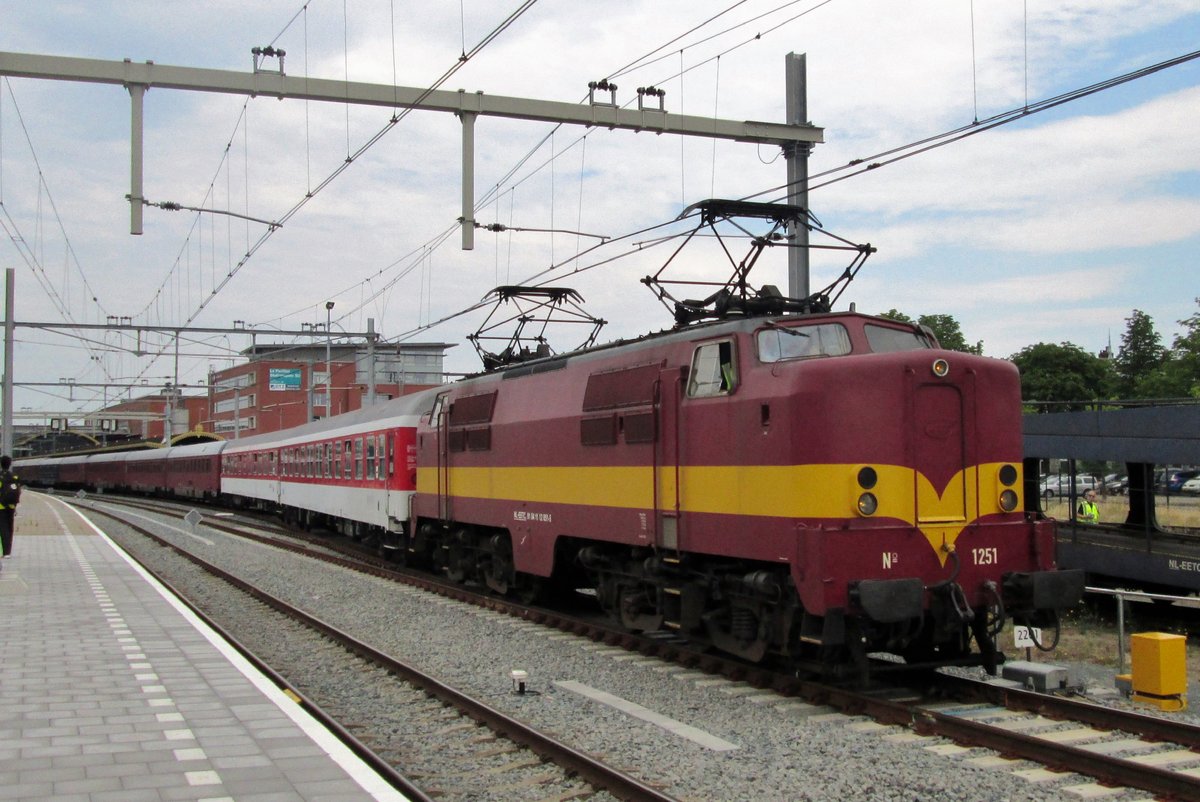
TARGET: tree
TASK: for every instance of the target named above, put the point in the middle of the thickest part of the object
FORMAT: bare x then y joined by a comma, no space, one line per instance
896,314
1139,362
1064,374
1186,356
944,327
949,334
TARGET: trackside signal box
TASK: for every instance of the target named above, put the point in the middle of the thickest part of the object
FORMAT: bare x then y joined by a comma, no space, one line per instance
1159,675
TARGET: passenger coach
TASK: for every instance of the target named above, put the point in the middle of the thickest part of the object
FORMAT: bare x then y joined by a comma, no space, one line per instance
354,473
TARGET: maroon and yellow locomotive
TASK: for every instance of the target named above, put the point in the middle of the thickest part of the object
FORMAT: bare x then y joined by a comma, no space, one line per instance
813,486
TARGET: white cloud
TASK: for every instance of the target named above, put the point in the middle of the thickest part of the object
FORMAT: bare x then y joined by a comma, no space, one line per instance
1089,200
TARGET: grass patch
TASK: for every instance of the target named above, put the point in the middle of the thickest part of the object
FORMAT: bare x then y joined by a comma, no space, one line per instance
1089,636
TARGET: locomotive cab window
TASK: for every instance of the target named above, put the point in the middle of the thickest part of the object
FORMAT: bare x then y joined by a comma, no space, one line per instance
884,339
780,343
713,370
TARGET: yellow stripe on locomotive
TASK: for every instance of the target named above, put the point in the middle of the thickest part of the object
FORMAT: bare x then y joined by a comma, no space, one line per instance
816,492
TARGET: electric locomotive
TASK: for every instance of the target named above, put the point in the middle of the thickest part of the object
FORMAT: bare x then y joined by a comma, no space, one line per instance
817,488
779,479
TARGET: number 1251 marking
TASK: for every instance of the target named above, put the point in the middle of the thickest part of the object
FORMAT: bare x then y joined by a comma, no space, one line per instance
986,556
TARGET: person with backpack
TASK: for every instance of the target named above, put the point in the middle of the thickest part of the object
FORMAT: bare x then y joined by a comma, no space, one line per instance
10,496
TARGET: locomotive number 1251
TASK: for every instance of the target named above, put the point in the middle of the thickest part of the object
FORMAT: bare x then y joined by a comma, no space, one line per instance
985,556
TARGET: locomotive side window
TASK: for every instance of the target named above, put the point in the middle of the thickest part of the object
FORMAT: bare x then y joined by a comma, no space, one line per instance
884,339
779,343
713,372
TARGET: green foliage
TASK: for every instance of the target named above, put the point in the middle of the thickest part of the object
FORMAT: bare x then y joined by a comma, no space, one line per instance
1140,361
1185,357
944,327
1064,374
896,314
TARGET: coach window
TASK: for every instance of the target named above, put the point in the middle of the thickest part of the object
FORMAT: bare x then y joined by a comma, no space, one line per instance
348,459
358,458
713,370
337,460
328,460
370,456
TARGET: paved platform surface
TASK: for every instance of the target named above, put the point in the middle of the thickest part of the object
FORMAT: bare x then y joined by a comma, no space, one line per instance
112,690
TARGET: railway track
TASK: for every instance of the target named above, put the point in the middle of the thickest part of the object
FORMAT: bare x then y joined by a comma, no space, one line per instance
490,754
1114,747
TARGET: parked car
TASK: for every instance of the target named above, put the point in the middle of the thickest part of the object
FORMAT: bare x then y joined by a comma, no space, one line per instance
1116,483
1175,479
1191,485
1060,485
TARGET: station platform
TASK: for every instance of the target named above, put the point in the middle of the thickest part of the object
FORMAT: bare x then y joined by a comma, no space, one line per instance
111,689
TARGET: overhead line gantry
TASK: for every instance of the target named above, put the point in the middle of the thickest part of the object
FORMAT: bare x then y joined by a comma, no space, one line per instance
795,138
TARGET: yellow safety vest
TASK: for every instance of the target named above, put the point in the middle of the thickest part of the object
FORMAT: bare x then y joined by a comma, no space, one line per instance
1088,512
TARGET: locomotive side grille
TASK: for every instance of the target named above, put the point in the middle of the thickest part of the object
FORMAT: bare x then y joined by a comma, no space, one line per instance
940,453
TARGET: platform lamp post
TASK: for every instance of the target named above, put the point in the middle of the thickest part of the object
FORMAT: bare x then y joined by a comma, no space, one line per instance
328,364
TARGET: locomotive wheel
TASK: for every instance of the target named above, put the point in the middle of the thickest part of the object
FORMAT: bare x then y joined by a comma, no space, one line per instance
635,609
498,573
455,554
529,588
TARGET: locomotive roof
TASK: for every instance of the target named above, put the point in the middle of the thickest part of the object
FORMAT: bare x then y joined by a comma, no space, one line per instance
695,331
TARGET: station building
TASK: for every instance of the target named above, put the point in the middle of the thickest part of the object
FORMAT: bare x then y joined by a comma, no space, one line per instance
280,386
277,386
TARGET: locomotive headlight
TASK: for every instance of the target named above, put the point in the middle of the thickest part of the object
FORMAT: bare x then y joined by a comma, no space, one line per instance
867,477
940,367
1008,500
867,504
1008,475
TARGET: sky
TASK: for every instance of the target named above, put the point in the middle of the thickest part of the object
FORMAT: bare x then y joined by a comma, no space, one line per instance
1053,228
